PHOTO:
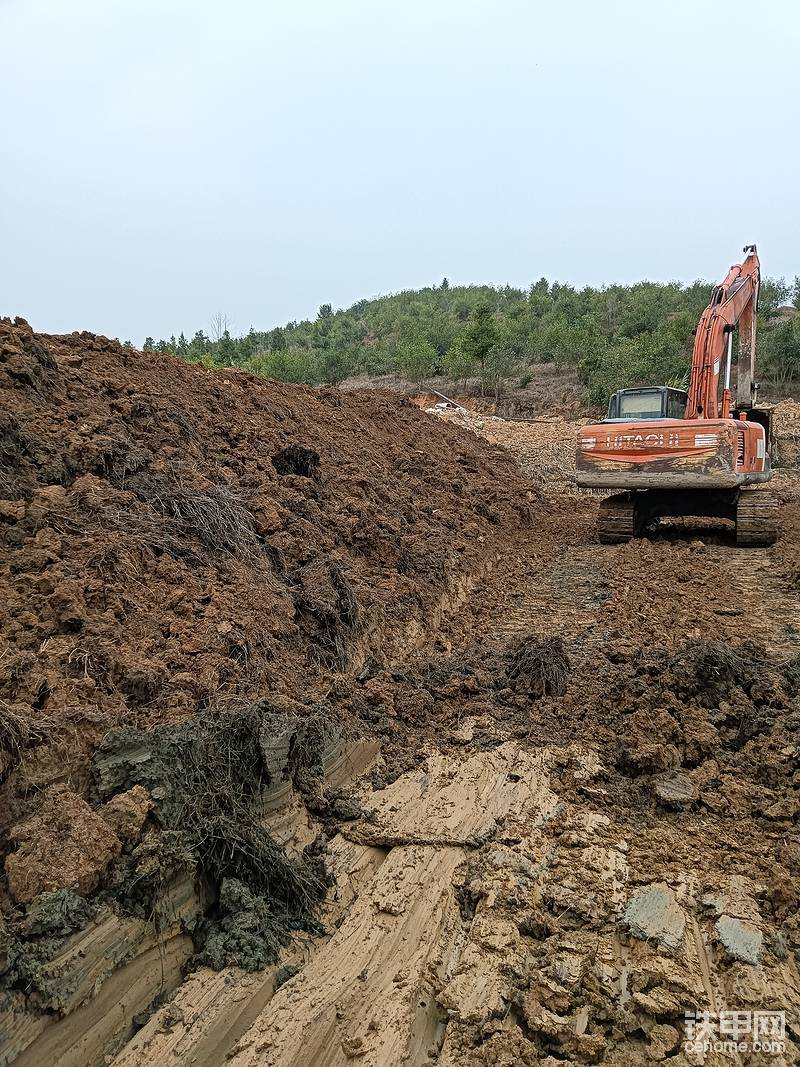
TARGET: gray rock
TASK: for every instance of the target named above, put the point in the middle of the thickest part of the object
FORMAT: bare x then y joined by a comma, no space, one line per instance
674,788
655,914
740,939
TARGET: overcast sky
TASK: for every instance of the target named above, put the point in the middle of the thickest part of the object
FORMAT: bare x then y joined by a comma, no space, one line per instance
163,160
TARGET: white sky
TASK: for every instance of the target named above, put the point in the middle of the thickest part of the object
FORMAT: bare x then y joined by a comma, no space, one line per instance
163,160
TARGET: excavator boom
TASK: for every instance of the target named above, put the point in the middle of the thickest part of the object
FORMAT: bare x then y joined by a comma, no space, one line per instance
733,303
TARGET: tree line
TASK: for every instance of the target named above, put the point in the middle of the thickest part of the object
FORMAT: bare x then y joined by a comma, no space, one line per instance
615,336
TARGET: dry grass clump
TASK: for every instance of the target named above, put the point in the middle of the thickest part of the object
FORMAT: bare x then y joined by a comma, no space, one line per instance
206,777
171,518
222,775
20,727
215,516
539,666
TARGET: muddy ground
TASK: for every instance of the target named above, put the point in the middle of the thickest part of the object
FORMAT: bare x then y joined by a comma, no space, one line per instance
564,807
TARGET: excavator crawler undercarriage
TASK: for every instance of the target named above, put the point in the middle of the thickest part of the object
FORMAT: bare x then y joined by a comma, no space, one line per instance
753,512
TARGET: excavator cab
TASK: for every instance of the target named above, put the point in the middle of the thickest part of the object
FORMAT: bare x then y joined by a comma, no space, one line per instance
651,402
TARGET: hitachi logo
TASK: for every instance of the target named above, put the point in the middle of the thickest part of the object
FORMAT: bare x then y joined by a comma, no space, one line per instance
643,440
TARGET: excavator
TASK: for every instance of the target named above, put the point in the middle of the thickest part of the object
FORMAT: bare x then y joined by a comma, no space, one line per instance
701,454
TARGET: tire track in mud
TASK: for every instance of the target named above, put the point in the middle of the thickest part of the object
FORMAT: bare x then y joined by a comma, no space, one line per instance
770,612
561,599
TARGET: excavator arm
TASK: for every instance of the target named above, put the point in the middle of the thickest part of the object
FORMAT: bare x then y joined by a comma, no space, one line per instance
733,303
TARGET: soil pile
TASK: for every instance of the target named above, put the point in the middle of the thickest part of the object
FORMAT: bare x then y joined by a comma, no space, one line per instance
544,448
175,539
191,559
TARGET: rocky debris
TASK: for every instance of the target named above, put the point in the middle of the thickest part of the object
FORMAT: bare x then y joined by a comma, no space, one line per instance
674,789
786,424
126,813
663,1039
65,845
741,940
544,449
654,913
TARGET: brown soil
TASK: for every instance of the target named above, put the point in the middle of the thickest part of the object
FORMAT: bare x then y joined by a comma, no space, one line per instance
577,815
156,562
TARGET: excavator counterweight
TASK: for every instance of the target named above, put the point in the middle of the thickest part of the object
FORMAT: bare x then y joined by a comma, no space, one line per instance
695,453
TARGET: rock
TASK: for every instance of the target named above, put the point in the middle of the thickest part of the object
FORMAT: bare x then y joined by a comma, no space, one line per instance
663,1039
65,845
674,789
654,912
347,807
741,939
785,808
126,813
12,510
267,517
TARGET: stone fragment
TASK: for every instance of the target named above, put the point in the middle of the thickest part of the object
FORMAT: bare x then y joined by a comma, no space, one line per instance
654,913
741,939
663,1039
126,813
674,789
65,845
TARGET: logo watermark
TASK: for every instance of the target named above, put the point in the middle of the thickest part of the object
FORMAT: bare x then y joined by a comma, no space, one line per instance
735,1031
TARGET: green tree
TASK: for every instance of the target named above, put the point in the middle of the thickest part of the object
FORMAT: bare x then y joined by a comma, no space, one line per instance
225,353
774,292
479,337
500,364
459,364
416,359
199,347
780,352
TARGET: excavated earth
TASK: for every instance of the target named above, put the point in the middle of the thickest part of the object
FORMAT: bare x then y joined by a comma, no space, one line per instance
328,735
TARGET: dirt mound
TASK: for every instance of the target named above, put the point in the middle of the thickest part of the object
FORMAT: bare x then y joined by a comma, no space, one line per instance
176,539
544,448
190,560
786,416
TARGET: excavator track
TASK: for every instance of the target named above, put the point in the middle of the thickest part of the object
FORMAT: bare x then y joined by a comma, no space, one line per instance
616,519
756,517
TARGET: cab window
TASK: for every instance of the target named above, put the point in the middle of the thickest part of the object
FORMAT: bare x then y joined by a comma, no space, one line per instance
676,404
644,405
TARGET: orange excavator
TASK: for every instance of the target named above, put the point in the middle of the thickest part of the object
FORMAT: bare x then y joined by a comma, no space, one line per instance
699,454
